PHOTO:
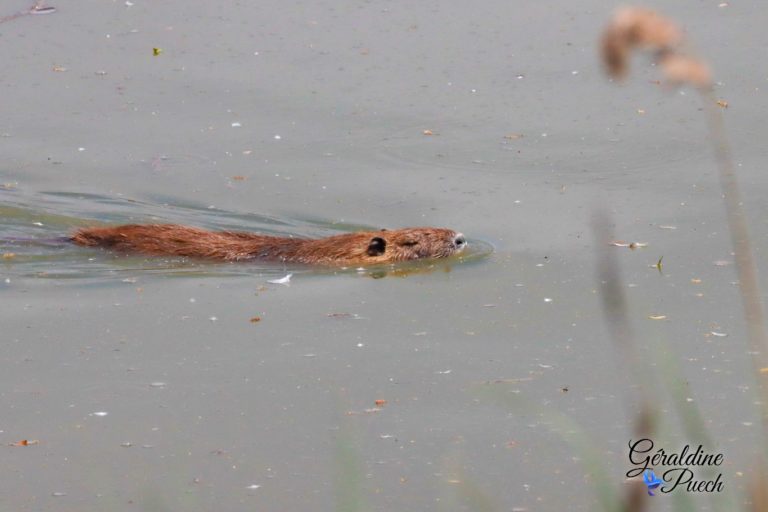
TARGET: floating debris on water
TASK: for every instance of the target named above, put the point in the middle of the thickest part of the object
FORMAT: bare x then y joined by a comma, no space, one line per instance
630,245
282,280
25,442
42,10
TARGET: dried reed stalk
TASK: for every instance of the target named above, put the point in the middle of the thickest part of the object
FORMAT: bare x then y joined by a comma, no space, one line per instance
634,28
637,28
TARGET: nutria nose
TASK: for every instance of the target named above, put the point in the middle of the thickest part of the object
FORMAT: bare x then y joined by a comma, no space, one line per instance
459,241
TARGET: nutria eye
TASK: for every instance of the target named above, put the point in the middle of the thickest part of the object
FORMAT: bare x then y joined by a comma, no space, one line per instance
409,243
376,246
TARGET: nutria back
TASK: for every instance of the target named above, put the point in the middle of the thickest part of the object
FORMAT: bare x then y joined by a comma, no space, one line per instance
361,248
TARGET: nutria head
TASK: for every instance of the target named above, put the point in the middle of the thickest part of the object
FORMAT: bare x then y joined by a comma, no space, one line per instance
385,246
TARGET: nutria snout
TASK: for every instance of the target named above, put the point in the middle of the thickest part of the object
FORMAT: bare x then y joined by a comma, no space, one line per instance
361,248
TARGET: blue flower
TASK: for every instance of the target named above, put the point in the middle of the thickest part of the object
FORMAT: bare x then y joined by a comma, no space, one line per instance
651,481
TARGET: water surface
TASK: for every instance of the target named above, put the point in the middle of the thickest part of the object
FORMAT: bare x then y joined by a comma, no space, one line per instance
309,119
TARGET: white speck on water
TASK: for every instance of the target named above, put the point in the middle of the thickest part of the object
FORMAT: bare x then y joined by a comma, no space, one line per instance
236,125
157,384
81,149
547,299
255,53
360,345
58,494
474,91
37,223
282,280
213,319
574,72
192,300
309,355
444,372
719,334
129,3
277,137
253,486
126,444
100,414
545,365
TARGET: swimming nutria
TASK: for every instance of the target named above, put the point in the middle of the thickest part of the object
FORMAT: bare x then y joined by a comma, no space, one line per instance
365,247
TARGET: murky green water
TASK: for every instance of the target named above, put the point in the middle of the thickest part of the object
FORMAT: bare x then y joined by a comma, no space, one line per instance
223,391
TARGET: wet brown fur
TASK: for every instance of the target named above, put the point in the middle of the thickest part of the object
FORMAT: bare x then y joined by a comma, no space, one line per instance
361,248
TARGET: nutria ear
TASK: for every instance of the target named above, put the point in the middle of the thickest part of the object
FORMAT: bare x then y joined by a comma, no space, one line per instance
376,246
